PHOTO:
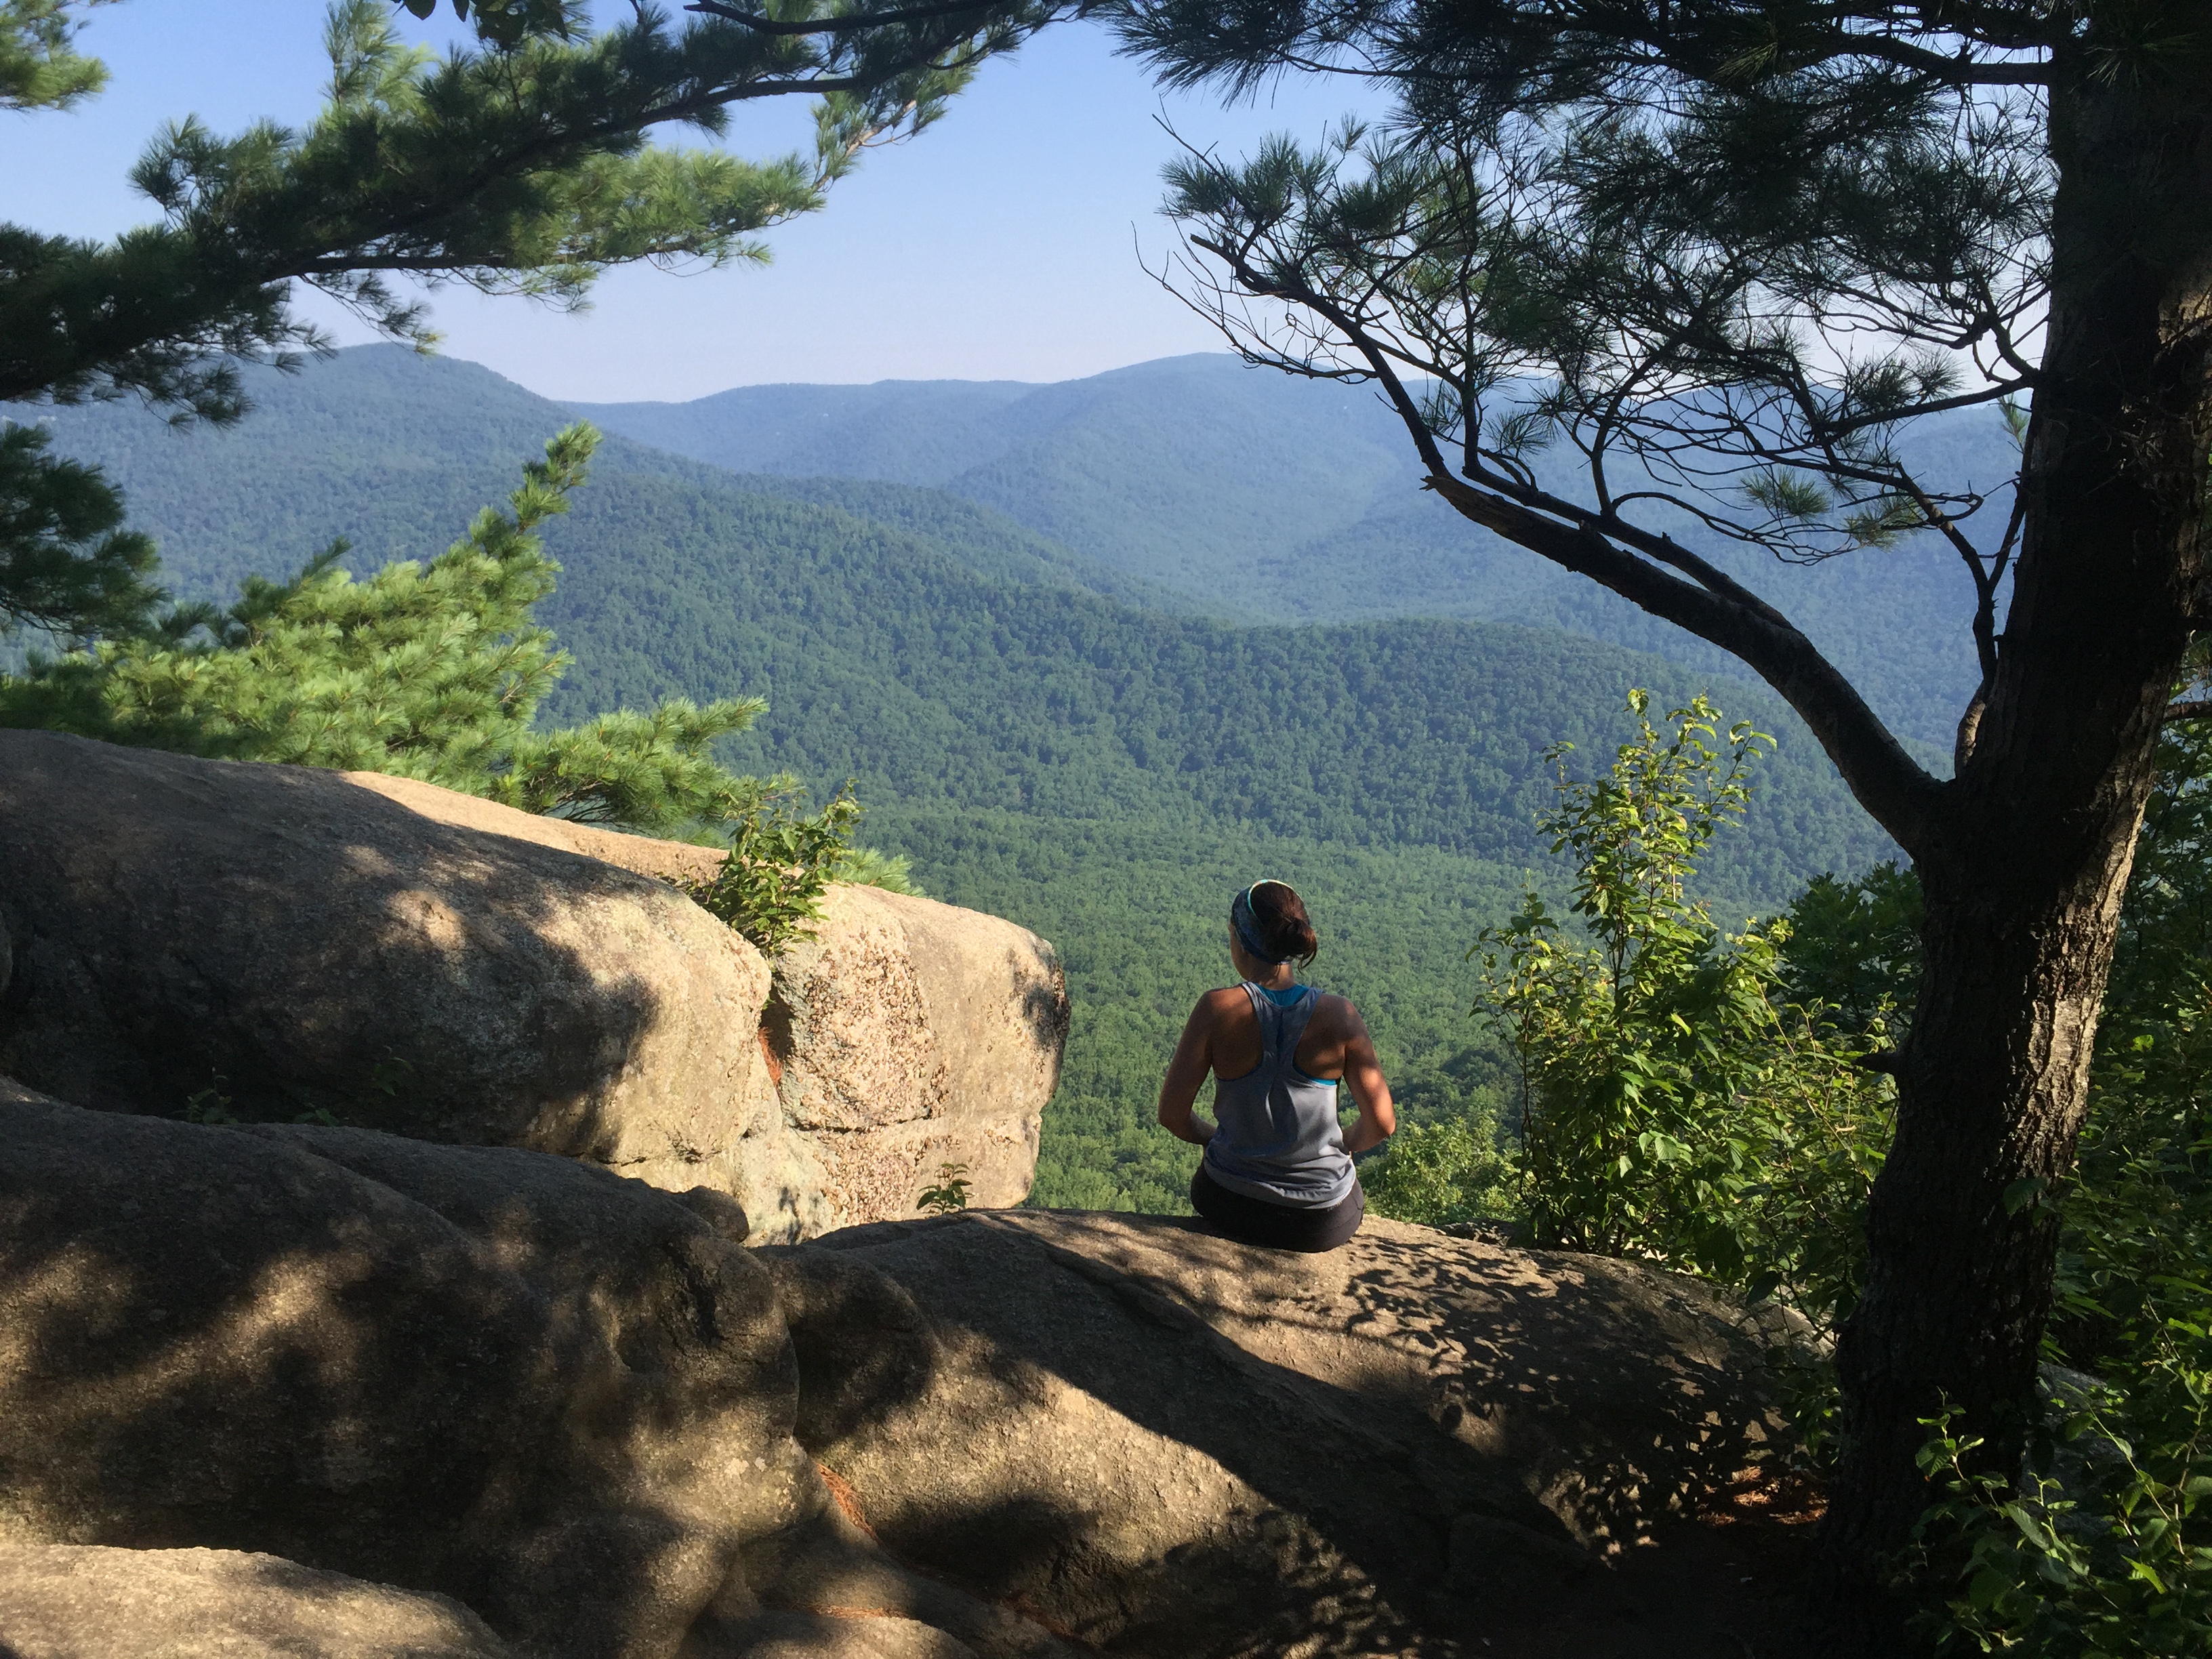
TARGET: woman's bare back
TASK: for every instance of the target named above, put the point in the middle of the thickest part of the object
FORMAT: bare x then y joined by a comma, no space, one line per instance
1233,1035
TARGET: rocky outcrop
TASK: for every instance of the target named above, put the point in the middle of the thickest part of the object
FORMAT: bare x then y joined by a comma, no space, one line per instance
664,860
275,942
1168,1443
63,1602
903,1034
562,1398
907,1035
573,1404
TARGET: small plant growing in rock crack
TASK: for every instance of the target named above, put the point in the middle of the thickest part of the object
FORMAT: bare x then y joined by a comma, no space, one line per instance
949,1193
210,1105
780,862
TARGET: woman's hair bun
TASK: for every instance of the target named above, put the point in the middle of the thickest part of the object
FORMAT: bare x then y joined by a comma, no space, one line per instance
1284,927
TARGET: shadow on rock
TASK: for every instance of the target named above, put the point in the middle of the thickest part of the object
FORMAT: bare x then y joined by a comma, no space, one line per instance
564,1399
274,941
560,1397
229,942
1165,1443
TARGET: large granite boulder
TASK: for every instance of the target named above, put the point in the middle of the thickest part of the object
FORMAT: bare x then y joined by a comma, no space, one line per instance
72,1601
903,1035
561,1398
269,943
1165,1443
907,1035
274,941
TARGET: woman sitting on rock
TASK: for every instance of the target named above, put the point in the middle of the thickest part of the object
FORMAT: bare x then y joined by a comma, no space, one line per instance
1278,1168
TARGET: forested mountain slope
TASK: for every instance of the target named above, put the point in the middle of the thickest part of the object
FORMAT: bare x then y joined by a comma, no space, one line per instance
1266,499
395,451
1102,772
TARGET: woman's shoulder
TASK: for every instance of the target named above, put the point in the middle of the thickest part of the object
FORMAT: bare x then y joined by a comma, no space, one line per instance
1335,1011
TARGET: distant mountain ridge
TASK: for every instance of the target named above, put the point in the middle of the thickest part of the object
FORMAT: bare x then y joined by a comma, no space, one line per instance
395,451
1254,496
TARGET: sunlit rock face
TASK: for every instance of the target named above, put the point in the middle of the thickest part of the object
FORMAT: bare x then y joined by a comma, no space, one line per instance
908,1036
272,943
900,1036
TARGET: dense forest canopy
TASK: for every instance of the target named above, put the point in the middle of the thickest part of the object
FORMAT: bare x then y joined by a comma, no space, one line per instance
1254,499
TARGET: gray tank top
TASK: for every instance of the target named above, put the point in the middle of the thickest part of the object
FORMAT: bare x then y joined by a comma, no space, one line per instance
1278,1139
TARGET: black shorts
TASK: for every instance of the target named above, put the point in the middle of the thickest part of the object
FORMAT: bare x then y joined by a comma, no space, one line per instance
1277,1226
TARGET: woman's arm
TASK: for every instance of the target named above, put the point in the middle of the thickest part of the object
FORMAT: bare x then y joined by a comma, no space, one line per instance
1186,1069
1363,1074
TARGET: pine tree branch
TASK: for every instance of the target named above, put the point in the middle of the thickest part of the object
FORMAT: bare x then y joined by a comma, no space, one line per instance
1954,71
850,23
1996,391
1888,783
1702,599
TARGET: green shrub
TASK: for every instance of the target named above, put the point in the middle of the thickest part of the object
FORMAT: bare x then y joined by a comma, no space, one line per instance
1451,1170
1675,1105
2113,1561
781,863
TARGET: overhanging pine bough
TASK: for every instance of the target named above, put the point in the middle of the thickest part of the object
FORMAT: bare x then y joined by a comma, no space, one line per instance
524,167
1722,252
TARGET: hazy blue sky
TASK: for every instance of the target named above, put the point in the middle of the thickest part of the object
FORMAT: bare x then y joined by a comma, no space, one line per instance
1005,243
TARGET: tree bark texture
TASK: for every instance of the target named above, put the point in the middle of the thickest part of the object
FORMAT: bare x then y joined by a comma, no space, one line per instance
2024,856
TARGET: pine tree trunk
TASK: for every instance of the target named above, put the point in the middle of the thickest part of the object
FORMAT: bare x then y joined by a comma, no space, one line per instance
2023,861
1991,1095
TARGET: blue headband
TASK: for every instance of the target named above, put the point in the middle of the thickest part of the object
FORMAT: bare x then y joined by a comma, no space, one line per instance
1248,926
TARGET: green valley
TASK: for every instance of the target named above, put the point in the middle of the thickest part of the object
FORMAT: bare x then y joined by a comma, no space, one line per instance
1251,495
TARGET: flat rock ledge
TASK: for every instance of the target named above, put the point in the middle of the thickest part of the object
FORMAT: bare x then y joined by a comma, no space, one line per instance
1160,1441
